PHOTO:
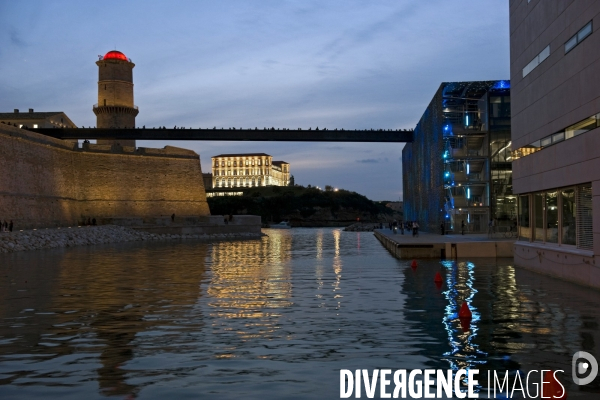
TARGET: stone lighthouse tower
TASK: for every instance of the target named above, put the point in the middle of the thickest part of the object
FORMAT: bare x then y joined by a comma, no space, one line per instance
115,108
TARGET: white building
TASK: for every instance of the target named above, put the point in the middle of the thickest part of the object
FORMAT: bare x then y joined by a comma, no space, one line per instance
249,170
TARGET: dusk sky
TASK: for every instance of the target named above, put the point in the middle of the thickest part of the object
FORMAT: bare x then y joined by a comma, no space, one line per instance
283,64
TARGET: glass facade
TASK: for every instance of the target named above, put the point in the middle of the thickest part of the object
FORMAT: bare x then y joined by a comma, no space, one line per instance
458,167
559,216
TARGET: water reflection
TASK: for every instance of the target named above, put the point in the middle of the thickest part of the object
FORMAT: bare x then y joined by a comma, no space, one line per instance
464,352
278,315
521,321
250,282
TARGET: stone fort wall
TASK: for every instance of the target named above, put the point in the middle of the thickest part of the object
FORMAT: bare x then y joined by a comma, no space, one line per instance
46,182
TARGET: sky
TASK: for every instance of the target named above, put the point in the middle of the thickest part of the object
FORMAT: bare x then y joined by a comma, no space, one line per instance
260,63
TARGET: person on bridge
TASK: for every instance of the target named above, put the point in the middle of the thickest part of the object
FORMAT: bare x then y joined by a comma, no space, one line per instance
462,227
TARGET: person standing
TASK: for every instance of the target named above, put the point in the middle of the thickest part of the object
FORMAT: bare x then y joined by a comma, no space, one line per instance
10,226
462,227
443,228
402,227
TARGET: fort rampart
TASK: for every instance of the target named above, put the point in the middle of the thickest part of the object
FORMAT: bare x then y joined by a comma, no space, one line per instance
46,182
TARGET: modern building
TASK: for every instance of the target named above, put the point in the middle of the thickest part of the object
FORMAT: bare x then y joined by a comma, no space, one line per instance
458,167
36,119
554,66
249,170
115,108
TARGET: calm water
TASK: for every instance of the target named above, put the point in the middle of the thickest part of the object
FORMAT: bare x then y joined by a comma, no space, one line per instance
270,318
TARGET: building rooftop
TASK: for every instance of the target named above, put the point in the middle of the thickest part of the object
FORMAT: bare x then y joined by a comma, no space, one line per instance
242,155
115,55
28,115
279,162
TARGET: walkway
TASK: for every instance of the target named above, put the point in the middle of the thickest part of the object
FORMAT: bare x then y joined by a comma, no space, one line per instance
429,245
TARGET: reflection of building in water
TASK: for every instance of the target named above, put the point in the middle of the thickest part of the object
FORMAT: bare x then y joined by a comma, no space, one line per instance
251,280
520,322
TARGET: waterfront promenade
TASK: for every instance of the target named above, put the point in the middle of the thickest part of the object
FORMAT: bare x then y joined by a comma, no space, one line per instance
430,245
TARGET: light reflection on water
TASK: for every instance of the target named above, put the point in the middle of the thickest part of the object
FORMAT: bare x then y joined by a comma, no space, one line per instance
270,318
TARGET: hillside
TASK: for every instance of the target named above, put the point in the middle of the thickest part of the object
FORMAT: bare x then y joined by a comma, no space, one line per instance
302,206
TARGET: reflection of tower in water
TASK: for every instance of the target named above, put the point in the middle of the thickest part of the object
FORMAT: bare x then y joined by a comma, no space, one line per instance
127,293
250,282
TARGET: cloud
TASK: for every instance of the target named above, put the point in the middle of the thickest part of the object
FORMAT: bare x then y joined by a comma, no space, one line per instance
15,38
372,160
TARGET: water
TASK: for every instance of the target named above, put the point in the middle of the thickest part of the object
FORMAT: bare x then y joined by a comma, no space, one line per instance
271,318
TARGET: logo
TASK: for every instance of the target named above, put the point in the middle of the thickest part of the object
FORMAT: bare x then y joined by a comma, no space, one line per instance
580,368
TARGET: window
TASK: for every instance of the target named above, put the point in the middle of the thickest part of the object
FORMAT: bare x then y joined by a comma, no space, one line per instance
235,163
558,137
552,217
258,162
546,141
561,216
524,227
538,210
585,236
537,60
581,127
578,37
569,227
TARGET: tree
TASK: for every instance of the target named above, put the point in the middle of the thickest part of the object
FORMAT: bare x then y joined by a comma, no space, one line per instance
328,188
292,181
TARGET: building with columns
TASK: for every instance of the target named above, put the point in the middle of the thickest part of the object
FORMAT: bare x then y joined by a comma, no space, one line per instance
249,170
115,108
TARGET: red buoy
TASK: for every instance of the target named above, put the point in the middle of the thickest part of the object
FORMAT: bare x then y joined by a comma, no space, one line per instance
413,264
465,324
551,388
438,277
465,311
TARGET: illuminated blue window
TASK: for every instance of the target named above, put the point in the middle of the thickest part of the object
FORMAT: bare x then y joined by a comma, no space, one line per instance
502,85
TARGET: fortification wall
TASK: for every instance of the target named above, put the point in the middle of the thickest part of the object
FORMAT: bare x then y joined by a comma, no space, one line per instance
46,182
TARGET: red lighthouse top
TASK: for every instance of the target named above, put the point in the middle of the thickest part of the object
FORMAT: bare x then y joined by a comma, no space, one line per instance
115,55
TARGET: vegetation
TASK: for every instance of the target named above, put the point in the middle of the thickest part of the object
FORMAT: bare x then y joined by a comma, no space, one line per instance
276,203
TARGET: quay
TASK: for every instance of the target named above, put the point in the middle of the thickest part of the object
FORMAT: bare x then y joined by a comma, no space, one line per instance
429,245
